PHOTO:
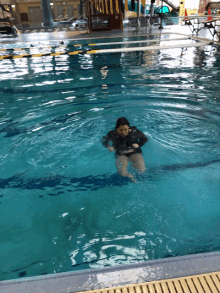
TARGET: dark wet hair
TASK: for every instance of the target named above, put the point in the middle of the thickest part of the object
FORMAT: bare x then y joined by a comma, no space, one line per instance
121,121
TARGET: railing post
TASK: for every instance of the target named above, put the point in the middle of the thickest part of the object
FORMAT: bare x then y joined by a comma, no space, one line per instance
138,16
47,14
161,17
151,10
138,8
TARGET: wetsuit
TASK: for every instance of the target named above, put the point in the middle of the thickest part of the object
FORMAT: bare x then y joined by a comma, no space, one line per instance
123,144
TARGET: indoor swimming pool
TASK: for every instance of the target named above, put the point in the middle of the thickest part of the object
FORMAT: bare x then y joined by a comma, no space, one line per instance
63,207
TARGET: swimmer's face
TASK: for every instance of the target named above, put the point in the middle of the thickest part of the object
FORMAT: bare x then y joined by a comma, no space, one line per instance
123,130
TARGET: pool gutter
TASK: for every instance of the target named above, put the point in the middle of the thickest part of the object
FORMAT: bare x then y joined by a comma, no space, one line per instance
85,280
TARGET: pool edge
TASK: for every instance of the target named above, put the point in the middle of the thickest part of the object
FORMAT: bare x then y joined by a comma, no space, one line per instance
85,280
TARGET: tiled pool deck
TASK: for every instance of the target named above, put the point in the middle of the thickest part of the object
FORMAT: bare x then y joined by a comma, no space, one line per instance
113,277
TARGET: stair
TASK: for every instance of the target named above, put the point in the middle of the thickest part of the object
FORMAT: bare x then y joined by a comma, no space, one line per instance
171,4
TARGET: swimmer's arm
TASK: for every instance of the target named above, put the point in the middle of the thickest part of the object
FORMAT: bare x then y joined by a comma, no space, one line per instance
142,138
106,139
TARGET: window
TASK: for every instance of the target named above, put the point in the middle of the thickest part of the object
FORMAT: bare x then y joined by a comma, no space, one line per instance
24,17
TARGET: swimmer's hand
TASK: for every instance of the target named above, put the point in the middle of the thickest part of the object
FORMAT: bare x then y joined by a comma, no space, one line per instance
111,149
135,145
127,151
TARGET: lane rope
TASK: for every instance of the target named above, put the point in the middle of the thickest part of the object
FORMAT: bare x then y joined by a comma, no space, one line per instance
109,37
92,44
138,42
148,48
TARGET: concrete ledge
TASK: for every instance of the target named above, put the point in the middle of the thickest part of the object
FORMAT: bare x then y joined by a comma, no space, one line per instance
161,269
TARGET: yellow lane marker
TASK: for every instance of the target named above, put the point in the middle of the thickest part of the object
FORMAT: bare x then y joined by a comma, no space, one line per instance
37,55
92,44
77,45
57,54
75,53
21,56
91,52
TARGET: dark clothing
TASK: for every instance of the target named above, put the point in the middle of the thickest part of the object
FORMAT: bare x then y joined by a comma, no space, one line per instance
121,145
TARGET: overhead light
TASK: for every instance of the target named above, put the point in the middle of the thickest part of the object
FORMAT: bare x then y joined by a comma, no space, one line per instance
51,4
13,6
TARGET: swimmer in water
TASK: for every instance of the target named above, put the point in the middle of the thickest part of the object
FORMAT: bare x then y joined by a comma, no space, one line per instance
126,142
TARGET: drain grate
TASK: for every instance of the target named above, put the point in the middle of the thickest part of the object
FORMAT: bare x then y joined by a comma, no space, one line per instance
205,283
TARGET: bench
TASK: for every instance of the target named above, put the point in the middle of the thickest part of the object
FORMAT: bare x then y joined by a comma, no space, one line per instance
194,26
211,24
207,24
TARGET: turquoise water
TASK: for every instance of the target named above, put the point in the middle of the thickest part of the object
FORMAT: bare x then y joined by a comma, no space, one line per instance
62,205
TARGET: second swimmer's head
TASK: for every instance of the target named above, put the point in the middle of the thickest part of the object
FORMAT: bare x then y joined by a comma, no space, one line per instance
122,127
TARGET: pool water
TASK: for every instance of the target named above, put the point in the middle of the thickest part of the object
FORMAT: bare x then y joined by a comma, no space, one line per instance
63,207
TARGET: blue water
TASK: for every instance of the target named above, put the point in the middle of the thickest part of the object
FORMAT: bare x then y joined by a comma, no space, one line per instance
63,207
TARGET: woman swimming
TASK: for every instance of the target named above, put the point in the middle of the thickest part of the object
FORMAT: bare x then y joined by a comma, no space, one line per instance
126,142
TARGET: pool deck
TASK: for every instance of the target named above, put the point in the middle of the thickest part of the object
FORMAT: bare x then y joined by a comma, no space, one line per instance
173,271
35,36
